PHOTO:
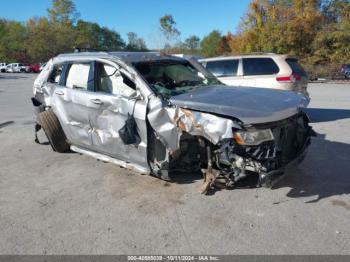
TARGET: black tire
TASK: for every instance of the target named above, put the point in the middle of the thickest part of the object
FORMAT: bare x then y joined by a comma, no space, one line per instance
53,131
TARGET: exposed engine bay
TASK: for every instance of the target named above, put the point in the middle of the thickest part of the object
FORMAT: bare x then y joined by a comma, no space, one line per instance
229,161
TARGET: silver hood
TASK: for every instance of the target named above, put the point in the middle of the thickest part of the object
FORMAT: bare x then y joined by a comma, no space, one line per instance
248,104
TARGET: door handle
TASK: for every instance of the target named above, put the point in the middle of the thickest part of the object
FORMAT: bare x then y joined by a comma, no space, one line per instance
59,92
96,101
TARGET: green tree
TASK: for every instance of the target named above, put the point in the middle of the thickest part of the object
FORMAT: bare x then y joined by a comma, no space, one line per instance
135,43
169,30
110,40
12,37
63,11
88,34
192,43
91,35
210,43
56,34
332,41
46,40
167,26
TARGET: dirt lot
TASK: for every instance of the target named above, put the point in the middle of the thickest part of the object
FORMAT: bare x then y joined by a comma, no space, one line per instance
54,203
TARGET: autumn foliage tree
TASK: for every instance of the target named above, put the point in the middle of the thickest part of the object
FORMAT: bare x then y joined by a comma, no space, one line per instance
315,30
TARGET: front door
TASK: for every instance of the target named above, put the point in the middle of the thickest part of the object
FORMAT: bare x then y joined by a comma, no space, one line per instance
116,98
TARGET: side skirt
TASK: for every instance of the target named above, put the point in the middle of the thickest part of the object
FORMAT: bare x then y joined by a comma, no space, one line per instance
105,158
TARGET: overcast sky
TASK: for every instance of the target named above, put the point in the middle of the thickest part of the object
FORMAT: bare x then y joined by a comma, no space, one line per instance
197,17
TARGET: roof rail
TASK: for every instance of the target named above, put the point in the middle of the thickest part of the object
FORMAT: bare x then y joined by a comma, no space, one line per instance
79,49
258,53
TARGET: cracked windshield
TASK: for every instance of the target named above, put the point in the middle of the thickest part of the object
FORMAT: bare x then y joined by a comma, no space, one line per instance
170,78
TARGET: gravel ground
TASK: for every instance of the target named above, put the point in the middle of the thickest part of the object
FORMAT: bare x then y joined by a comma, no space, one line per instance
54,203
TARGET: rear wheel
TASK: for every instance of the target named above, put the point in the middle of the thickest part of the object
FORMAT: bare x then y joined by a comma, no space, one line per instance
53,131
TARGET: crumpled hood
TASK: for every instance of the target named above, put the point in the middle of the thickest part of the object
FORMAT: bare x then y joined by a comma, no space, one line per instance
248,104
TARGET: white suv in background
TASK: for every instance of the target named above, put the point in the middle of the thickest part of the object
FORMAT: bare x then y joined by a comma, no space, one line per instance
259,70
15,68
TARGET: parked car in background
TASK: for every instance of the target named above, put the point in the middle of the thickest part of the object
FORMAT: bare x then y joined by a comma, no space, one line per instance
27,66
2,67
345,70
157,114
32,68
15,68
260,70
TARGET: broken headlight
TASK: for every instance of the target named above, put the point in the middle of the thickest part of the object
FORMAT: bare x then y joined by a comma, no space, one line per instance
253,138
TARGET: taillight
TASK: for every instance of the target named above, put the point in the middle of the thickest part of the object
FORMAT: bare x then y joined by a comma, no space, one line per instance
297,77
289,79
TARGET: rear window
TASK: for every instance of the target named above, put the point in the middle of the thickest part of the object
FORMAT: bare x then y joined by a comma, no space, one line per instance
259,66
223,68
296,67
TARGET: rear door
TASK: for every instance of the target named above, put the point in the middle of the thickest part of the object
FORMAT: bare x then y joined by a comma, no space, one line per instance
227,71
73,102
115,98
259,72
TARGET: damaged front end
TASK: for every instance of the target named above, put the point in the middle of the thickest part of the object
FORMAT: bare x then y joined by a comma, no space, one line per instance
287,144
225,150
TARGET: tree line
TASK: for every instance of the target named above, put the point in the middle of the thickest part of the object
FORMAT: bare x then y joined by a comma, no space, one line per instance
318,31
41,38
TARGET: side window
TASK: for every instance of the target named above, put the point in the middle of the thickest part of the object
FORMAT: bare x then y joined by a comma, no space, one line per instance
259,66
55,74
78,75
110,80
296,67
223,67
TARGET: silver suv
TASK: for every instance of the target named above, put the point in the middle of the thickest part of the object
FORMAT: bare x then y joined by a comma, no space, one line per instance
259,70
161,114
